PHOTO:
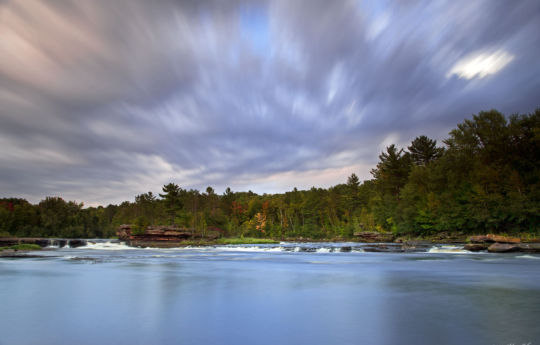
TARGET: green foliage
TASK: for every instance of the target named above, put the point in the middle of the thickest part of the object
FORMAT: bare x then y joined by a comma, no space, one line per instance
23,246
424,150
486,179
140,225
172,199
246,240
393,169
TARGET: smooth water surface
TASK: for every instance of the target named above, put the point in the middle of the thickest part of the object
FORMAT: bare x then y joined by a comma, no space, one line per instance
111,294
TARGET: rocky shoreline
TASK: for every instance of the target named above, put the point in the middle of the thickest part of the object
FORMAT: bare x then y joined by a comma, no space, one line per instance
500,244
172,237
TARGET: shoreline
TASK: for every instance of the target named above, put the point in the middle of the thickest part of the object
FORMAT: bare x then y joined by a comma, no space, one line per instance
19,246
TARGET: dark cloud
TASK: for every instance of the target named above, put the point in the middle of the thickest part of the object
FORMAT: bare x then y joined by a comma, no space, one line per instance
99,102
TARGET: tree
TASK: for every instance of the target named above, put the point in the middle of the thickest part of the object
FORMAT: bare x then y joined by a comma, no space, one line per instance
392,170
424,150
172,199
353,200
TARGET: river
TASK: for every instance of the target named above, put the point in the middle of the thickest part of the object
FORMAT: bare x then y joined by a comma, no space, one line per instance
108,293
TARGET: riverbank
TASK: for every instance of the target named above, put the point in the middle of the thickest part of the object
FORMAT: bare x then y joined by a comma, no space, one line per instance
368,242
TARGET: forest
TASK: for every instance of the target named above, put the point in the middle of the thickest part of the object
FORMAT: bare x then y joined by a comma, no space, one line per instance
483,178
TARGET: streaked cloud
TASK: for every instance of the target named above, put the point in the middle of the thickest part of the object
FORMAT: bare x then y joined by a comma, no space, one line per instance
480,65
100,101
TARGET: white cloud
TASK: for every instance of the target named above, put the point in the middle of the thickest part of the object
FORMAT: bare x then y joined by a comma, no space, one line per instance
480,65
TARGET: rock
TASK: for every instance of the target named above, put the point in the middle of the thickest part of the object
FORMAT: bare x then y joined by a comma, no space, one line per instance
530,247
372,236
76,243
345,249
475,247
307,249
9,241
504,239
481,239
383,248
503,248
175,234
12,241
491,238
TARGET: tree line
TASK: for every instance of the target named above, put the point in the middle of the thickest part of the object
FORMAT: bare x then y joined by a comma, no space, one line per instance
484,178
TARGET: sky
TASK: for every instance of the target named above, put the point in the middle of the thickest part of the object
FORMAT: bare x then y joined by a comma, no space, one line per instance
104,100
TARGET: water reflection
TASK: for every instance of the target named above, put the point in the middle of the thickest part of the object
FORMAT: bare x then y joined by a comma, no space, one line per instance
224,297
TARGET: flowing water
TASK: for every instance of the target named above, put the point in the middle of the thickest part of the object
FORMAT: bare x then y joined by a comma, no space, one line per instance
108,293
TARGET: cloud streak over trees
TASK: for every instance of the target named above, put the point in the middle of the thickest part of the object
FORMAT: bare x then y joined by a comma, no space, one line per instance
100,102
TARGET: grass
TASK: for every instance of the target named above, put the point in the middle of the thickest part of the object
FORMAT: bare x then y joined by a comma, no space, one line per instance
246,240
22,247
197,243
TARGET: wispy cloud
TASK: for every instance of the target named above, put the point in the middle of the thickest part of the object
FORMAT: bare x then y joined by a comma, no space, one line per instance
480,65
102,101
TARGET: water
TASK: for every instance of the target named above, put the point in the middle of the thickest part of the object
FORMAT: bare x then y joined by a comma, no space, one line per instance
108,293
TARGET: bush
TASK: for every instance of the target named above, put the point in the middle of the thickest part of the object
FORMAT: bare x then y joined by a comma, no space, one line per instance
140,225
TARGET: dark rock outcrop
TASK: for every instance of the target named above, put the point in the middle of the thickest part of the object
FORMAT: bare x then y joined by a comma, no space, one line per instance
476,247
75,243
383,248
42,242
373,237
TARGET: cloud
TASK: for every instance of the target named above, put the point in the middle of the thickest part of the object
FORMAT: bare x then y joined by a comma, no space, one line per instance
481,64
103,101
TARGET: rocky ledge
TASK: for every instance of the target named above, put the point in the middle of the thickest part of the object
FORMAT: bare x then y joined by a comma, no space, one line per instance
42,242
500,244
164,236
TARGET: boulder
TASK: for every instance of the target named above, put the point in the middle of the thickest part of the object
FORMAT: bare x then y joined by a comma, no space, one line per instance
503,248
76,243
530,247
475,247
345,249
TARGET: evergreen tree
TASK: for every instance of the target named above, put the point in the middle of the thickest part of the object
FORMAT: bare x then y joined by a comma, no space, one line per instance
172,194
424,150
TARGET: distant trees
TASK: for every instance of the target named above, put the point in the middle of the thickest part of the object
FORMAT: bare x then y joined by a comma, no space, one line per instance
486,179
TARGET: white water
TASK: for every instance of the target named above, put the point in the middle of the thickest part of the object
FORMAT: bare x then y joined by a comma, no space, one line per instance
107,246
282,247
321,248
449,250
528,257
